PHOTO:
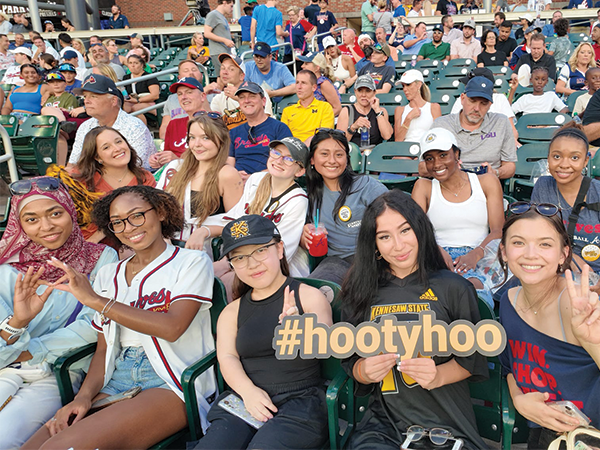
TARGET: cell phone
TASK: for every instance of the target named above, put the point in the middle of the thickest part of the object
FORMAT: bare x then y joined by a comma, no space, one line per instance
479,170
103,403
571,410
234,405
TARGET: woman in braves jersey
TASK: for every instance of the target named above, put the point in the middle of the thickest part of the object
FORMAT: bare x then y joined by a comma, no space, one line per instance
287,396
203,182
153,321
399,270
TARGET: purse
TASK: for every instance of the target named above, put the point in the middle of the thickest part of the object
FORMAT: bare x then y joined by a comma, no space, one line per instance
581,438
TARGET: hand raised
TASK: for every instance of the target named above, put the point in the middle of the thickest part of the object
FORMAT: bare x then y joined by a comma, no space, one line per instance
585,308
27,303
73,282
289,304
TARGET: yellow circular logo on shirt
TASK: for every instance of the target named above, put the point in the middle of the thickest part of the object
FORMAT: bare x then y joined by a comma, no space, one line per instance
345,214
590,252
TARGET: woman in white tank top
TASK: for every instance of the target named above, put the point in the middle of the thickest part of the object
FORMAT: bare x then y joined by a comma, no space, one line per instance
342,67
466,209
415,119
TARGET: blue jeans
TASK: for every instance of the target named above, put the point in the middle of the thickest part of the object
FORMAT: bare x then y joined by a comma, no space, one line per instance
132,368
484,293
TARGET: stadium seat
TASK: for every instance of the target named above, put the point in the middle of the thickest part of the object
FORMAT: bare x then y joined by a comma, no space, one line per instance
499,70
10,124
395,164
573,98
430,64
454,72
444,99
4,220
520,185
462,62
35,145
578,38
594,165
357,159
285,101
534,128
449,85
392,98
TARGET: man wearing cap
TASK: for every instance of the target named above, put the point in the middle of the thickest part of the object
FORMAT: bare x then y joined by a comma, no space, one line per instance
521,49
382,74
468,46
413,42
272,76
48,26
172,110
69,72
217,31
101,55
381,38
437,49
6,58
485,139
367,10
192,98
309,114
65,42
226,102
537,58
103,103
368,51
350,45
450,33
249,148
12,75
117,20
41,46
267,24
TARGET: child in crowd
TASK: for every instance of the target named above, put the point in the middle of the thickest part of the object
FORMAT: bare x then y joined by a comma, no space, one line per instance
538,101
592,82
69,72
59,99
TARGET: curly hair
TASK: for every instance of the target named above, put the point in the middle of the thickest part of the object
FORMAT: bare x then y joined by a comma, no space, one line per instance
163,203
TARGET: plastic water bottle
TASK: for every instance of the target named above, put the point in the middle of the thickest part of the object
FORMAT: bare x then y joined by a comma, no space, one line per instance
365,138
576,118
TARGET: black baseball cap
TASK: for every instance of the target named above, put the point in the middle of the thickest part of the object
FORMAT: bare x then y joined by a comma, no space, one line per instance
100,85
298,149
438,28
251,229
478,72
249,86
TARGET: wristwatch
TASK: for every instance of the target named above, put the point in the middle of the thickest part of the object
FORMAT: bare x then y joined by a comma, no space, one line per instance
380,113
13,332
350,129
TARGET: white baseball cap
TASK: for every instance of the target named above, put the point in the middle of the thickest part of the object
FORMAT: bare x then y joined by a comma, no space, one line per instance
23,50
410,76
529,17
437,139
362,37
328,41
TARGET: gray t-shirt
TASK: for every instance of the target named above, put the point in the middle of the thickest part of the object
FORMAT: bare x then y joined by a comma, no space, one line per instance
342,231
172,108
220,27
492,142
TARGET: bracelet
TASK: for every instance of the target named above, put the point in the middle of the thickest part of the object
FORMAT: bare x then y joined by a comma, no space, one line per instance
207,229
107,306
482,248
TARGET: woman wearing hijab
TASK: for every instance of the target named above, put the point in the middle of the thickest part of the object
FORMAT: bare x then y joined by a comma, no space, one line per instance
37,323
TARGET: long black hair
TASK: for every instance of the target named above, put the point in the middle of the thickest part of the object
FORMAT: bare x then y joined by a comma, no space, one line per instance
314,180
368,273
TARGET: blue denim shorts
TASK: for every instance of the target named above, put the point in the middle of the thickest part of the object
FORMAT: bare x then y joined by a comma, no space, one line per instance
485,294
132,368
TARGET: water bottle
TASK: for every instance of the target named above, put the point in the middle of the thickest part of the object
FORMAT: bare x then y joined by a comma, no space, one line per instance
576,118
365,140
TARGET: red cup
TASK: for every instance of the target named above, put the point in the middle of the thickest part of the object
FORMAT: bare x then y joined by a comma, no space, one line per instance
318,246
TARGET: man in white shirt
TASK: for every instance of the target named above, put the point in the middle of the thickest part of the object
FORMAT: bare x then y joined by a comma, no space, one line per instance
6,58
13,73
65,42
41,46
450,33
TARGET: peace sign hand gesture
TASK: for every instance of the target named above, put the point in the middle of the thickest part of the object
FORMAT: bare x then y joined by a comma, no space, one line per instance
585,309
289,304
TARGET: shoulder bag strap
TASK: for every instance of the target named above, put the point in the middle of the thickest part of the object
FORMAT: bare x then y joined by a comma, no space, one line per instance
579,204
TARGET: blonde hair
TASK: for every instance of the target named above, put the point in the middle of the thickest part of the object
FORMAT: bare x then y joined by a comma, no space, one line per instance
106,42
80,42
194,37
107,71
209,200
263,193
320,61
425,92
575,56
294,9
382,4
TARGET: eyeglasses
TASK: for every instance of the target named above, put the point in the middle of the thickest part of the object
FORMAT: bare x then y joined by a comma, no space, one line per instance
545,209
136,219
45,184
258,255
212,114
437,436
288,160
331,131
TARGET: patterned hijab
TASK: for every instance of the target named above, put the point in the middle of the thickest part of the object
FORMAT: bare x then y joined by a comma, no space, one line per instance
18,250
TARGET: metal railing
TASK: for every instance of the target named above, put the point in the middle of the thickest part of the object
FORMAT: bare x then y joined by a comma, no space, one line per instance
326,33
9,156
275,47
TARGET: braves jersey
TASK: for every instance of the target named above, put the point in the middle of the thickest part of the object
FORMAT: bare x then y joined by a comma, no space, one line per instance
177,274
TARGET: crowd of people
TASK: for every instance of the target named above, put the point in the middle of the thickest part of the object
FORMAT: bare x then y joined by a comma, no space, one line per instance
114,245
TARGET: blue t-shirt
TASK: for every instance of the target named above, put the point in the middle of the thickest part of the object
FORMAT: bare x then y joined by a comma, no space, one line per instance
245,23
363,62
267,20
324,21
548,30
414,50
279,76
587,230
544,364
297,34
75,85
253,157
399,11
120,23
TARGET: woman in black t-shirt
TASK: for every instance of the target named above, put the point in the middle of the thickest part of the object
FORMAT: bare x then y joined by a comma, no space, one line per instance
399,270
140,94
287,396
490,56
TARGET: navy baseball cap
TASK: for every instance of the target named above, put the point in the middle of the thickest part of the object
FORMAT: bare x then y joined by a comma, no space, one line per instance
70,54
262,49
187,81
248,230
480,87
99,84
67,67
249,86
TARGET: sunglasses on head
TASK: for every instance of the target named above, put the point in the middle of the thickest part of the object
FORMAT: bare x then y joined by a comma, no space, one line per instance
97,44
45,184
211,114
331,131
544,209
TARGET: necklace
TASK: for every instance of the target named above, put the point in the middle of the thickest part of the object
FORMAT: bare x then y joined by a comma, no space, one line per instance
531,307
119,180
459,189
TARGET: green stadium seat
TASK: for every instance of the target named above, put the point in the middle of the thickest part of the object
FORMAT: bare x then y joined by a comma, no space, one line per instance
35,145
445,100
357,159
10,124
462,62
430,64
448,85
454,72
534,128
394,173
392,98
520,185
573,98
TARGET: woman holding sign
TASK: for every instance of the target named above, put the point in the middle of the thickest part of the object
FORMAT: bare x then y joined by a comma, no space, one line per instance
282,402
399,270
552,325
